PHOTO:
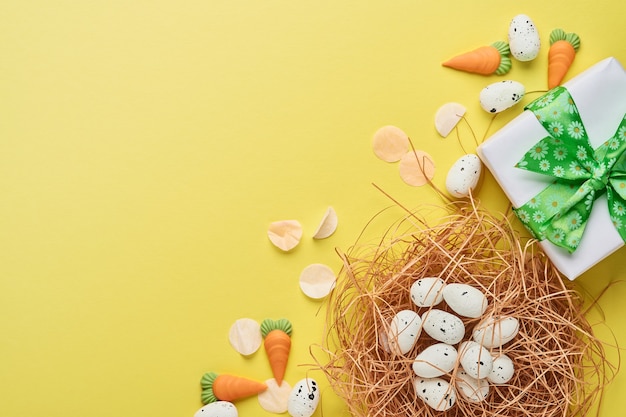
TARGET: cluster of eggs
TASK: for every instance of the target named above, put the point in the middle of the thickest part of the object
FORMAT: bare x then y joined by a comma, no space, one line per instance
471,365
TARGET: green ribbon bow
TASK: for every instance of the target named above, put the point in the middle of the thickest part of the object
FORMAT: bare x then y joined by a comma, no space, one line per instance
559,213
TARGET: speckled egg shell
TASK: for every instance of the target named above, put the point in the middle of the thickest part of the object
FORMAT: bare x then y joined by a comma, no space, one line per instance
443,326
502,371
404,330
465,300
524,41
495,331
304,398
435,392
463,176
217,409
501,95
435,360
470,388
427,292
475,359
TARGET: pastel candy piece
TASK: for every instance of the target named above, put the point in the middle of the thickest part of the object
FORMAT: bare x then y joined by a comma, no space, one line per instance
404,330
304,398
475,359
435,360
276,397
427,292
217,409
524,41
463,175
447,117
443,326
495,331
317,281
465,300
390,143
503,370
472,389
435,392
245,336
501,95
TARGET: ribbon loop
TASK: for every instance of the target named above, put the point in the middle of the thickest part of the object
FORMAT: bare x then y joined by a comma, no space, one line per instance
560,212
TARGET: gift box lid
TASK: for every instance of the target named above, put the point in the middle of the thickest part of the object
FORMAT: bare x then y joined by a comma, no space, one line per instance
600,95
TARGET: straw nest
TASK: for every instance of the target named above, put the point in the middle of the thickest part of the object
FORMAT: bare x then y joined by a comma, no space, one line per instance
560,366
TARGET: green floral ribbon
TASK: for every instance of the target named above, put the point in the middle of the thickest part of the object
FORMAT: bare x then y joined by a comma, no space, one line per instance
559,213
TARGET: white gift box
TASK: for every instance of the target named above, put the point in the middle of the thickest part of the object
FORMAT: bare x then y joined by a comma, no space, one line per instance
600,95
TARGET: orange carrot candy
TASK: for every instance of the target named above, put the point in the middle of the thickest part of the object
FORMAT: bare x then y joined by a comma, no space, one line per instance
486,60
225,387
277,334
563,47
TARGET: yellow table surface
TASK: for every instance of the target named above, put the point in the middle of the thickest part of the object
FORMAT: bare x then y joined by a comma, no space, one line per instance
145,146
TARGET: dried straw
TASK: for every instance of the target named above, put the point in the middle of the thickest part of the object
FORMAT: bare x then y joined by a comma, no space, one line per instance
561,367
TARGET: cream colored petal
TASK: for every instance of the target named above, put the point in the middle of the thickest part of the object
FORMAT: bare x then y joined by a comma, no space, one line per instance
390,143
275,398
417,168
285,234
328,225
245,336
317,280
447,117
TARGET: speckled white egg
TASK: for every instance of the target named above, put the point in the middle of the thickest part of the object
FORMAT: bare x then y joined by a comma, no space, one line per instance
502,371
495,331
304,398
472,389
463,175
443,326
501,95
475,359
217,409
427,292
404,329
435,392
435,360
465,300
524,38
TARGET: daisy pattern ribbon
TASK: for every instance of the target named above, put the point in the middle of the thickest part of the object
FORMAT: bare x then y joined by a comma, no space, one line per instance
559,213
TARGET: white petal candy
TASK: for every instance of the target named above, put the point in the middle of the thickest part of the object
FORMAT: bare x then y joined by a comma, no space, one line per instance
275,398
447,117
443,326
245,336
475,359
317,281
427,292
327,225
304,398
435,360
285,234
465,300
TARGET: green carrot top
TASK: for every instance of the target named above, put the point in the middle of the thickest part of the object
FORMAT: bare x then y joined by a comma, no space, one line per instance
207,387
505,61
560,35
282,324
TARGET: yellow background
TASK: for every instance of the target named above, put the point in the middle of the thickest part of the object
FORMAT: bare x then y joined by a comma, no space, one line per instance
146,145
